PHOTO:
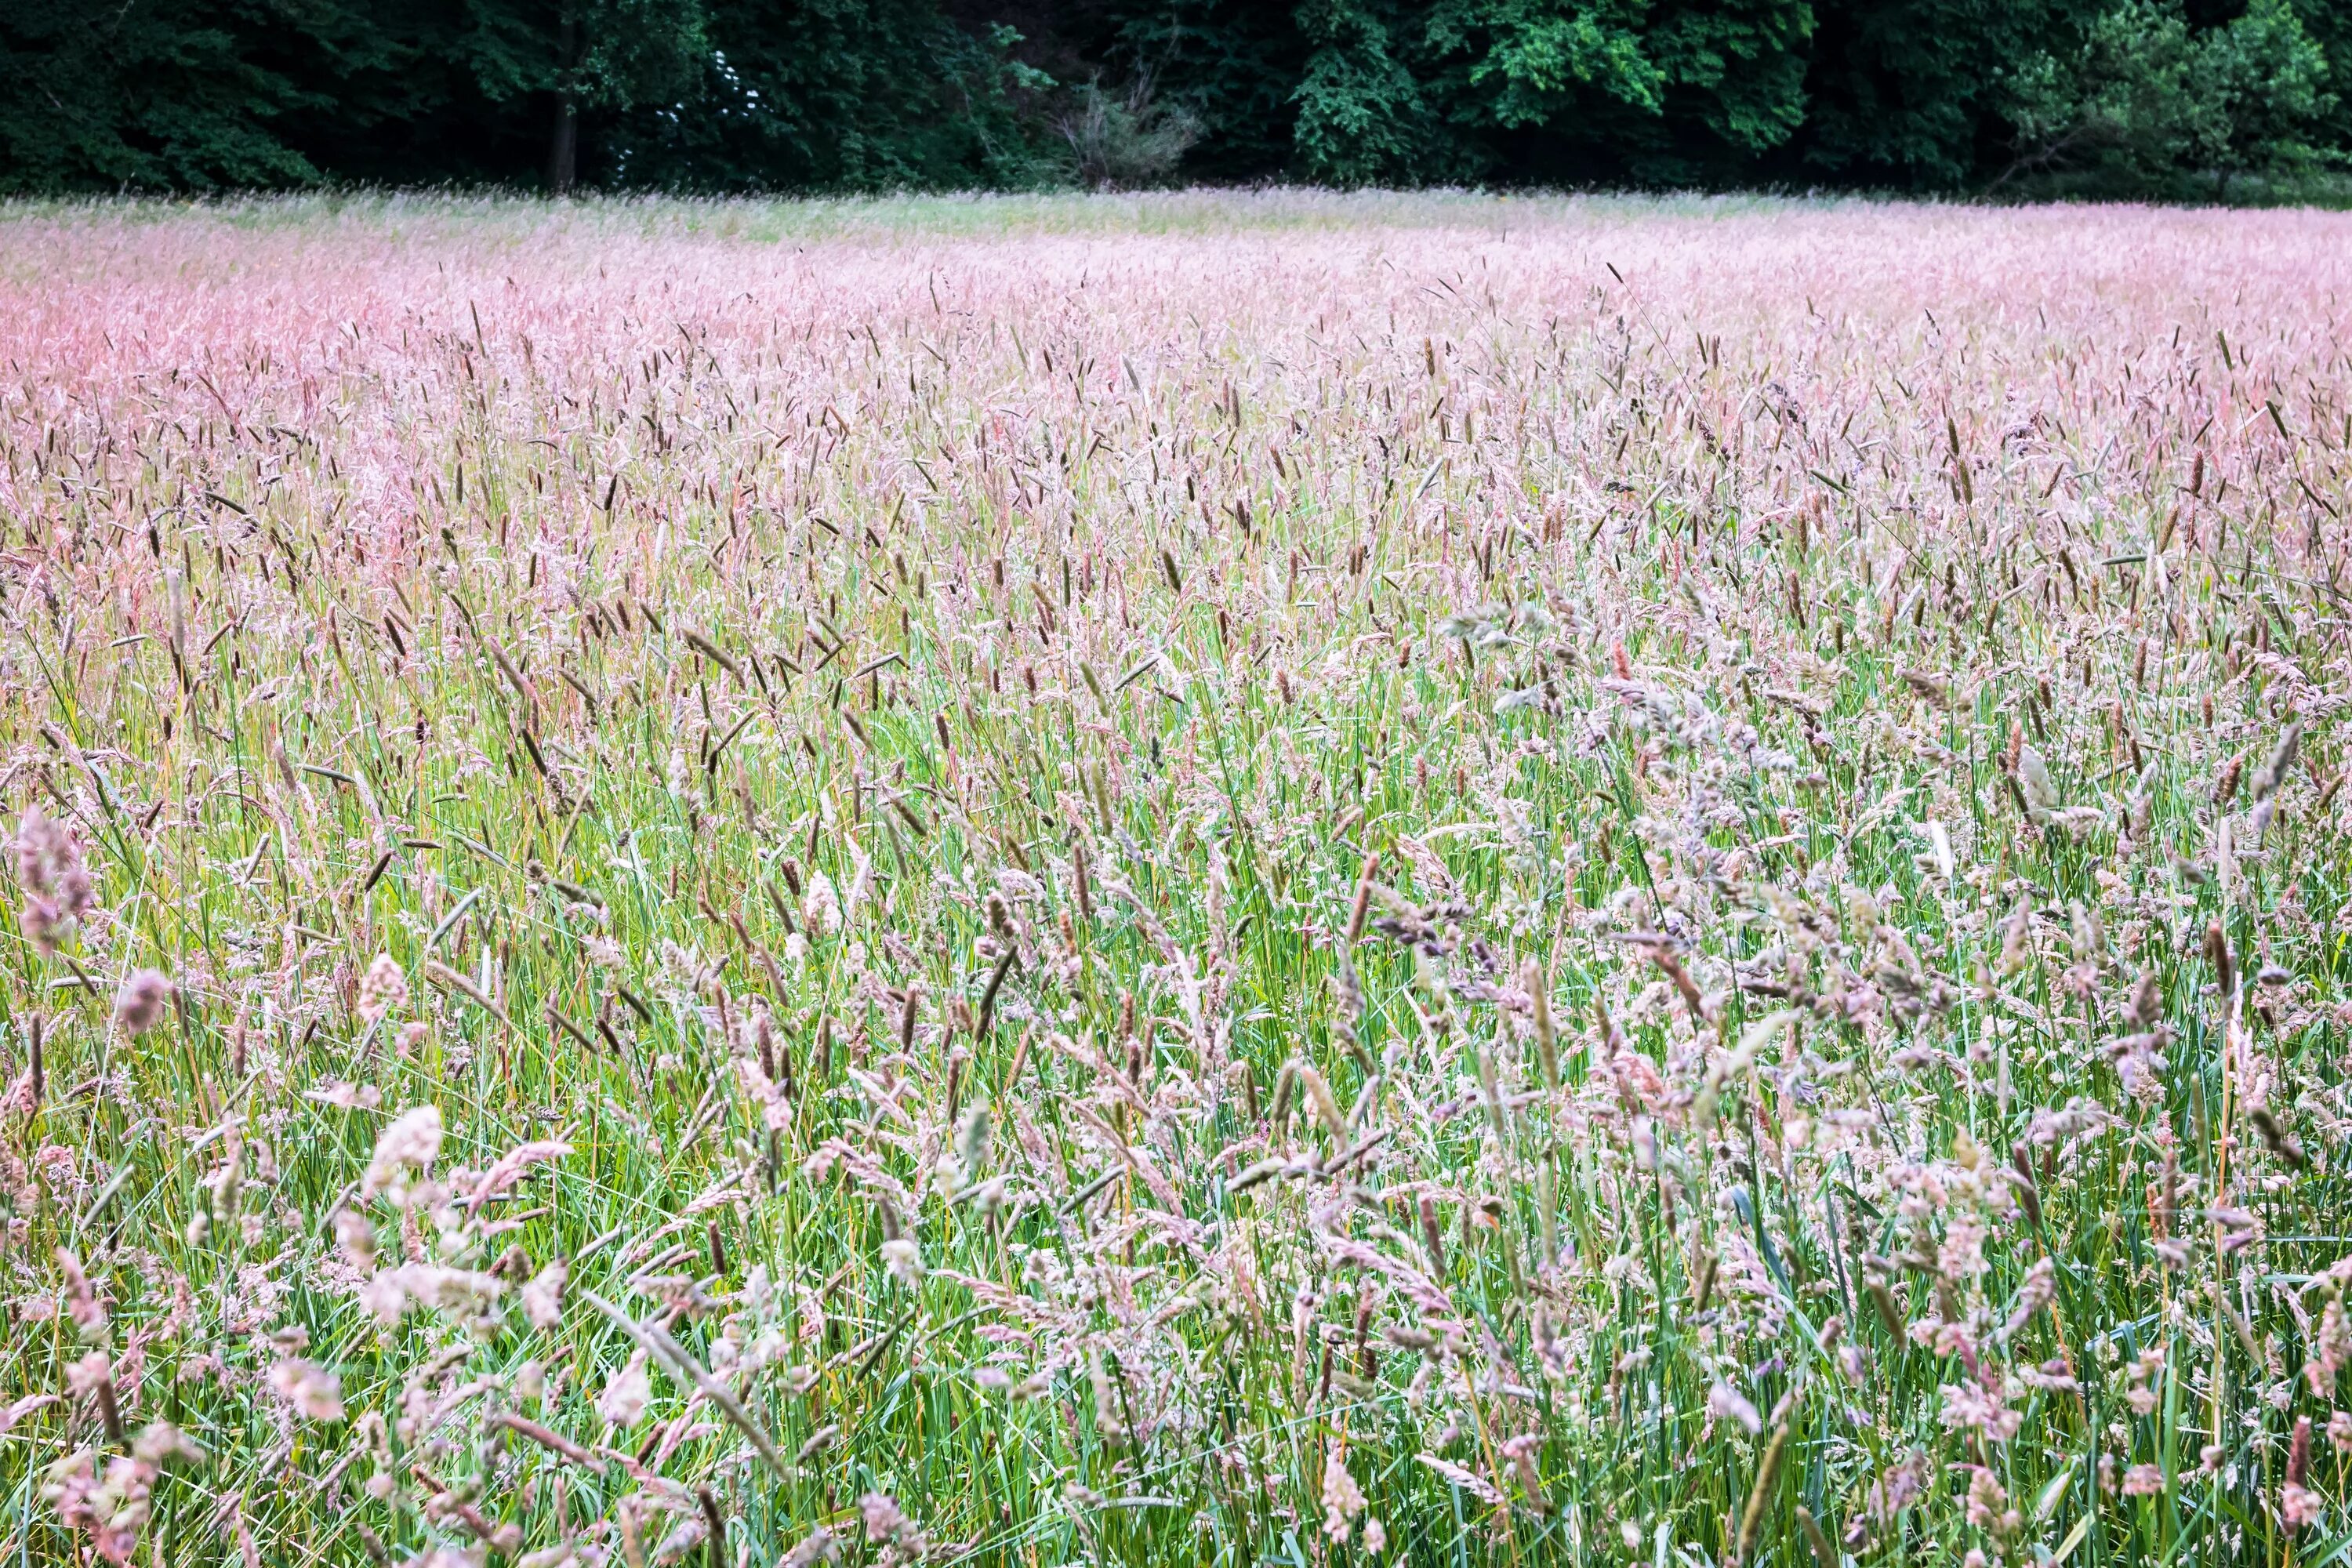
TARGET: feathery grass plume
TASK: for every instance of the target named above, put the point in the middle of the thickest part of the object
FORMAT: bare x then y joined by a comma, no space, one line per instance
139,1003
2015,937
409,1145
309,1390
112,1510
626,1393
1286,1088
92,1378
1768,1474
2217,959
1343,1499
2281,1144
2274,771
448,979
1361,905
1816,1539
36,1084
2022,1182
1704,1264
1730,1404
2225,788
1326,1104
383,989
1539,985
2299,1506
1490,1090
2040,795
971,1144
56,879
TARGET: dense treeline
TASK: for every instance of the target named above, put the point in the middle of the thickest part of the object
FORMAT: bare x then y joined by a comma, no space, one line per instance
2154,97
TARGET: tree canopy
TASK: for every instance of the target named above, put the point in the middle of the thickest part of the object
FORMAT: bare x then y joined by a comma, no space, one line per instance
2173,98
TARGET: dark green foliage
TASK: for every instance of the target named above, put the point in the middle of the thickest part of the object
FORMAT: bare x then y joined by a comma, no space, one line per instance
2144,103
2168,97
2328,24
1237,65
1661,92
96,96
1911,92
851,95
2270,85
1548,91
1364,117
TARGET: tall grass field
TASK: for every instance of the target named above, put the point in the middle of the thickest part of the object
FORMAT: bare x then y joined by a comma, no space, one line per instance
1238,881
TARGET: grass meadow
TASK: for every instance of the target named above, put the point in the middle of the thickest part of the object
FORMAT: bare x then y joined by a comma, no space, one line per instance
1224,879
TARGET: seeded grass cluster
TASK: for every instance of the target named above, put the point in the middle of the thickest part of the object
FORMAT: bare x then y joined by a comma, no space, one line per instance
1218,879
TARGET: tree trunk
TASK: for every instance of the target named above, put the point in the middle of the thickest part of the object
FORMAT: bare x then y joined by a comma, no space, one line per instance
563,149
563,141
